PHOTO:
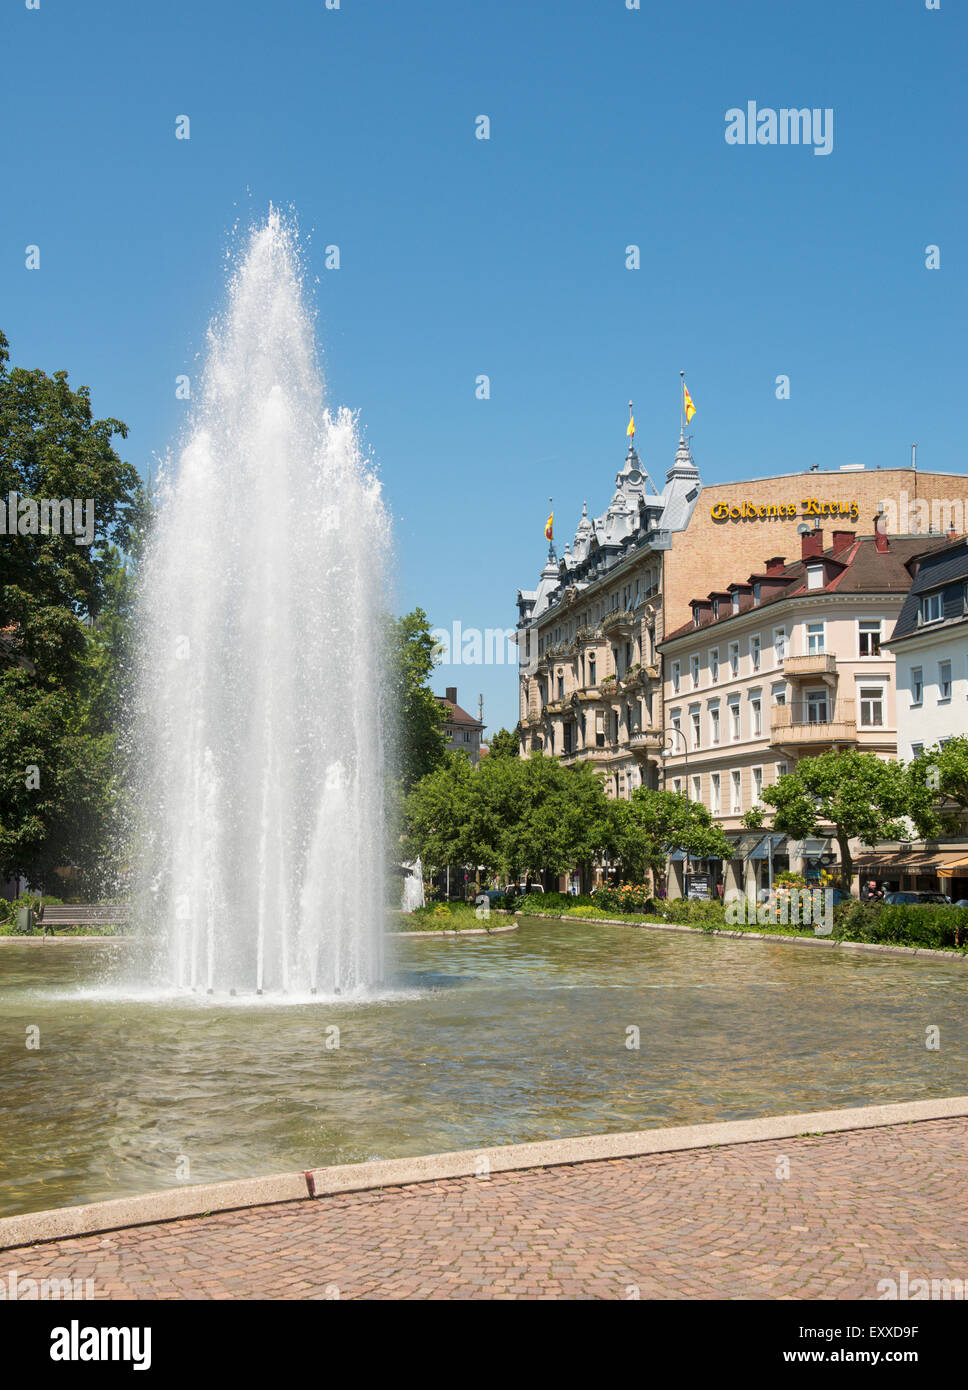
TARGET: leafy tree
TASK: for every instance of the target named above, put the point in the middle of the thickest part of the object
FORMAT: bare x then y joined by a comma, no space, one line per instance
513,816
654,822
858,794
438,816
57,719
938,783
504,744
412,658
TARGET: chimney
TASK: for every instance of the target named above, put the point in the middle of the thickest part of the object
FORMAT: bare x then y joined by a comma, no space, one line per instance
880,535
812,543
842,539
775,564
451,694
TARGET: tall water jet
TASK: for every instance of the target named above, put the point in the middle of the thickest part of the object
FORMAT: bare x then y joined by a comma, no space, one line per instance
261,690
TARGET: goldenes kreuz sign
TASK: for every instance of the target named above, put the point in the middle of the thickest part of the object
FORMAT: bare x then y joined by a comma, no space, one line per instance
783,511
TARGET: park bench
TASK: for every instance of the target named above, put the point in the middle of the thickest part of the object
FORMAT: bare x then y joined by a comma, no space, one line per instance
83,915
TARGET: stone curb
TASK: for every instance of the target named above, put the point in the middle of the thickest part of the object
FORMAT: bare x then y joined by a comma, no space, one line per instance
33,1228
927,951
466,931
39,940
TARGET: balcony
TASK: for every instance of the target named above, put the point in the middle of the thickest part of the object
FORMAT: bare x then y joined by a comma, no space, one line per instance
814,664
620,623
817,724
645,741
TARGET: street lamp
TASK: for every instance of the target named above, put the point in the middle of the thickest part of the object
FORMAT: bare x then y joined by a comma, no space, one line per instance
666,752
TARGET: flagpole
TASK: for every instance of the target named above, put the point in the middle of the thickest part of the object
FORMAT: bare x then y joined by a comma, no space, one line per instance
682,403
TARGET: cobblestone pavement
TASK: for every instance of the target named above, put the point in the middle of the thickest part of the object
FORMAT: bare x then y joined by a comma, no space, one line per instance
856,1208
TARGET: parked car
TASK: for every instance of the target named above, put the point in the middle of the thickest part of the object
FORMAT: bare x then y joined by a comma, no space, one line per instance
917,899
492,894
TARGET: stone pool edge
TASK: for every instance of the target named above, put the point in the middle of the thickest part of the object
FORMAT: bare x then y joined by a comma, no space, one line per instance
33,1228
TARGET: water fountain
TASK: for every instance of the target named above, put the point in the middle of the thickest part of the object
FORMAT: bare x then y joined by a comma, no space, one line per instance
261,709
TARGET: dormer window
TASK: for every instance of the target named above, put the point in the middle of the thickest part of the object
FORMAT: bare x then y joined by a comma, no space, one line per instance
756,594
715,607
736,600
815,576
931,608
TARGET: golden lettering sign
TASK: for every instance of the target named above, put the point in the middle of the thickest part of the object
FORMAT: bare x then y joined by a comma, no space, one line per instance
783,511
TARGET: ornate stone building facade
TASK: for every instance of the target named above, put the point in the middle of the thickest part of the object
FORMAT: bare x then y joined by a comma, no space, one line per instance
590,684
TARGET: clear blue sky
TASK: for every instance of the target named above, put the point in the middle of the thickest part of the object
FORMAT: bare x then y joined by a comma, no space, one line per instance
507,257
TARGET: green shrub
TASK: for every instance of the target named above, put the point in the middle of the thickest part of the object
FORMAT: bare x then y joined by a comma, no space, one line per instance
932,925
8,910
550,902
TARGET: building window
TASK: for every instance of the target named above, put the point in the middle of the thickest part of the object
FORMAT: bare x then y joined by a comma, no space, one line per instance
816,707
694,671
697,789
677,785
696,730
734,725
714,794
870,637
781,770
917,685
734,659
872,706
931,608
714,664
715,607
467,737
917,750
815,639
815,576
757,776
756,716
736,794
757,589
714,723
736,600
755,653
779,694
675,677
944,680
591,668
561,687
779,642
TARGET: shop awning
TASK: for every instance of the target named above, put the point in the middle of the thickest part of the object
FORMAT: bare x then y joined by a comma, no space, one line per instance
769,844
955,866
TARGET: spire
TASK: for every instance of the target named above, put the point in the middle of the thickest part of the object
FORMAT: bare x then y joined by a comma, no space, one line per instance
684,461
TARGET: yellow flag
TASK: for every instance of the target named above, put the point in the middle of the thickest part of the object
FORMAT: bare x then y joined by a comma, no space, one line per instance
550,528
631,429
687,402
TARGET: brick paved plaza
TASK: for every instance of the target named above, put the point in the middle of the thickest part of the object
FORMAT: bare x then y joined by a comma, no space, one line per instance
857,1207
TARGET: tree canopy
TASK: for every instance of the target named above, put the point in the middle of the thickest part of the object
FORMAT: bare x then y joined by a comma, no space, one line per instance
412,658
653,822
939,788
63,607
860,795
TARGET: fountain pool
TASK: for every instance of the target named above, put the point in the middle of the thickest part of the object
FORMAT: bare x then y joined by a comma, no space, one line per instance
476,1041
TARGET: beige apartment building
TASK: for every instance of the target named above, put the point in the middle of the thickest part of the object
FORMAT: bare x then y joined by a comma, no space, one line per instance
590,685
776,665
